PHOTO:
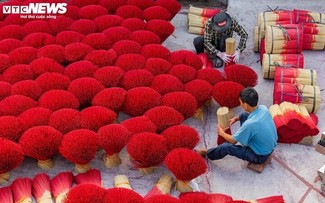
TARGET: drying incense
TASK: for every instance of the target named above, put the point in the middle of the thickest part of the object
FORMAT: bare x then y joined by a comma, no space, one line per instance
307,95
205,12
295,76
22,190
186,165
271,61
283,39
60,185
42,188
92,176
162,187
196,21
196,30
258,35
303,16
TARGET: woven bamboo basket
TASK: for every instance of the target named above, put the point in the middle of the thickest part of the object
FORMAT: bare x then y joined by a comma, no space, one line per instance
197,21
295,76
271,61
283,39
303,16
307,95
196,30
204,12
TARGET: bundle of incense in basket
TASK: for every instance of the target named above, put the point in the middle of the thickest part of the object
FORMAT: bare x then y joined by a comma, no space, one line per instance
283,39
162,187
271,61
295,76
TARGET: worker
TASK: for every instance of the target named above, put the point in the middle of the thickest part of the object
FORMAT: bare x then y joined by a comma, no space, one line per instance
217,29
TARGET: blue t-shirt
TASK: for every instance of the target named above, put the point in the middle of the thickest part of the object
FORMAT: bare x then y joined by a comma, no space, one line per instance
258,132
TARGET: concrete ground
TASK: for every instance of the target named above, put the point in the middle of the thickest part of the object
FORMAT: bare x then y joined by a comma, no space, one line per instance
293,170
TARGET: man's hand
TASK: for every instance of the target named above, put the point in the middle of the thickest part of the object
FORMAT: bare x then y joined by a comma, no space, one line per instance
236,56
225,57
221,131
233,120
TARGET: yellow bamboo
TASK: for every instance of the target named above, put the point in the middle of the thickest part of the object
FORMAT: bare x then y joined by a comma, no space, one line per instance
275,110
122,181
198,21
300,76
318,17
230,46
258,35
196,30
195,10
223,116
165,183
318,46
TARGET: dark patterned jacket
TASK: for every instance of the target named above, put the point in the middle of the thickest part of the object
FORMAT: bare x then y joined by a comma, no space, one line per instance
212,39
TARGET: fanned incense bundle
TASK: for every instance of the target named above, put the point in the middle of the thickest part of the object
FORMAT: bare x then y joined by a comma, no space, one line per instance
6,195
41,143
122,181
307,95
147,150
295,76
292,122
92,176
303,16
60,185
162,187
85,193
122,195
186,165
241,74
112,138
11,156
42,188
270,61
22,190
205,12
284,39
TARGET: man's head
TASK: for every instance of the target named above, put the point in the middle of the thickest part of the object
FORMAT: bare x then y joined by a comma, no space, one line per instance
248,96
221,22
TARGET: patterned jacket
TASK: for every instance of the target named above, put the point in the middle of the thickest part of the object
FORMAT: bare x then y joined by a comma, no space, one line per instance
211,38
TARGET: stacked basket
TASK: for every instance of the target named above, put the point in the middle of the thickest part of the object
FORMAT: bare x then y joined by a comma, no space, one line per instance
197,18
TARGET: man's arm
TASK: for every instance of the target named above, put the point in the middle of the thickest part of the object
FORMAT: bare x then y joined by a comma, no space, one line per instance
242,33
208,38
225,135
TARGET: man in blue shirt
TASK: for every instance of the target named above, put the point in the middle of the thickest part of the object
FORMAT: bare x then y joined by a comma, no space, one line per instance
257,134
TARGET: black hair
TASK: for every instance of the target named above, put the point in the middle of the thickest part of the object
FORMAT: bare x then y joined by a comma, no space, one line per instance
249,96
